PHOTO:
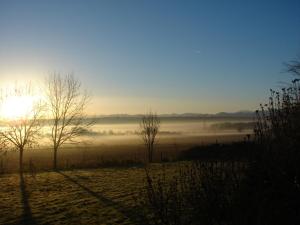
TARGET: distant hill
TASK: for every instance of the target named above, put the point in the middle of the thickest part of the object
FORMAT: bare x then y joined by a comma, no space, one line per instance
236,114
240,114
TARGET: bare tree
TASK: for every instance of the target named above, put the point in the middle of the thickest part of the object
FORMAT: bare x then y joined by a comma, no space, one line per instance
66,104
22,131
149,126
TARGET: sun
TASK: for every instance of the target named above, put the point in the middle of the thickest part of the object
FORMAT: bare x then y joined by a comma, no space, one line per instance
17,107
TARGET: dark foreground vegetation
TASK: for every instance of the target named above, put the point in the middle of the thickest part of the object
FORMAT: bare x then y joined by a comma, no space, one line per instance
255,182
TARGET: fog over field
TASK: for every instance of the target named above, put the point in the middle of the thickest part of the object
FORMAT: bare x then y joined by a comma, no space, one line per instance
118,138
110,130
106,130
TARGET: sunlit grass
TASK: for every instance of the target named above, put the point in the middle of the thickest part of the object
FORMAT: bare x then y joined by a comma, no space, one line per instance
100,196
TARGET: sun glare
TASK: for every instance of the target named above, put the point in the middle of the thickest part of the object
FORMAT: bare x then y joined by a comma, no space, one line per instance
17,107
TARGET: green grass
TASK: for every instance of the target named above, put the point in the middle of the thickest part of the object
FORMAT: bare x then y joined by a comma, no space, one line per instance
98,196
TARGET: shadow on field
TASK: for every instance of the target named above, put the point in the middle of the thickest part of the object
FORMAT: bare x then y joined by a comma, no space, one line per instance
131,214
27,215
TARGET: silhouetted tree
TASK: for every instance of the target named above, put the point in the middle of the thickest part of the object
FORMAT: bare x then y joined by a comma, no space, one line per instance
23,131
66,104
149,126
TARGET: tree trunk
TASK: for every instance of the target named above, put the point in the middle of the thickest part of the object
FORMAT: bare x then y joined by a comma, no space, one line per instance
55,158
21,160
151,154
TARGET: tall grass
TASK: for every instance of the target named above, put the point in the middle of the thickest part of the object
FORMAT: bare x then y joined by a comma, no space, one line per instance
197,193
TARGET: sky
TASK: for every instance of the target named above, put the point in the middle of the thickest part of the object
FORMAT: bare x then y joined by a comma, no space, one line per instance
165,55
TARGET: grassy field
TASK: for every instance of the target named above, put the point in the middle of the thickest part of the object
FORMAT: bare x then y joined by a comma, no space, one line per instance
80,196
93,156
98,196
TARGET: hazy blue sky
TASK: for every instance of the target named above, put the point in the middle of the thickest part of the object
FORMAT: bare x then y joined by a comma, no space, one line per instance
170,56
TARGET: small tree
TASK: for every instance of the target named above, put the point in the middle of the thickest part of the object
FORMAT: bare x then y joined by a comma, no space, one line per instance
149,126
22,130
66,104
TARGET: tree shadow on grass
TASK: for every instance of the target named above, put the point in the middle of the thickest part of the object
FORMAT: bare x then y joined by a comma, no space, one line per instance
132,214
26,215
